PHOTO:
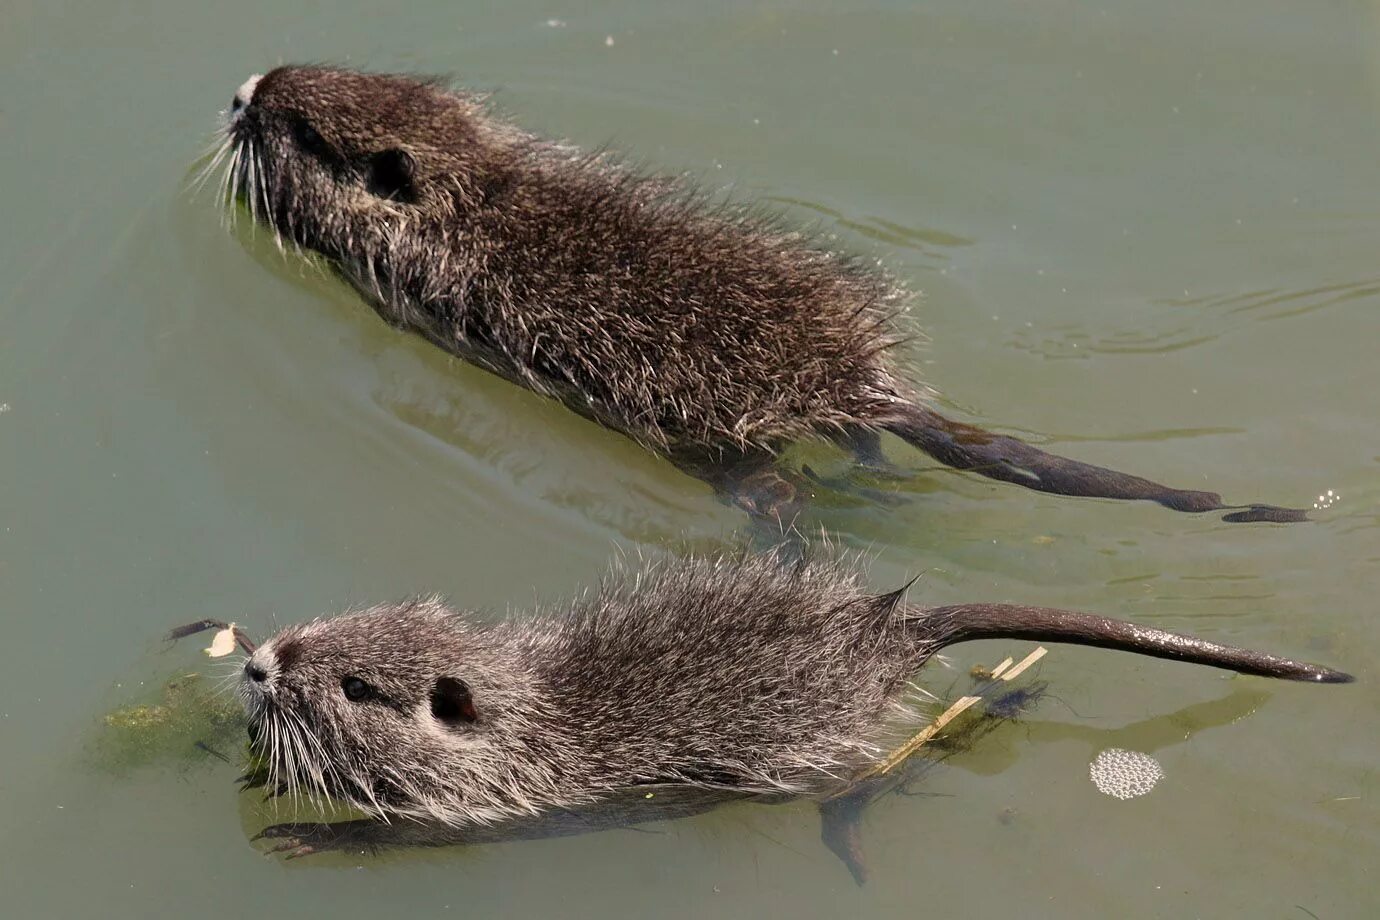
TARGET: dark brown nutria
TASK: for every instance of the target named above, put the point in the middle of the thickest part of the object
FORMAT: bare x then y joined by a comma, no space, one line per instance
742,675
706,332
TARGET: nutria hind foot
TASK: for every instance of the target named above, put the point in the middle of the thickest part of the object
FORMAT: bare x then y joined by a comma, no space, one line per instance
773,500
299,839
865,444
774,497
768,493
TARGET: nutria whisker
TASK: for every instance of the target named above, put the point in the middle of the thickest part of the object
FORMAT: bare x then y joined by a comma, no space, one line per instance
211,160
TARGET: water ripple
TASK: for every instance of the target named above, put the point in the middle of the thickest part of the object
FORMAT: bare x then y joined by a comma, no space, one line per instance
1212,317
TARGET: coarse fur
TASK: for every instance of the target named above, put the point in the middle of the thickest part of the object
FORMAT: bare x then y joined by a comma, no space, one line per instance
705,331
681,325
746,675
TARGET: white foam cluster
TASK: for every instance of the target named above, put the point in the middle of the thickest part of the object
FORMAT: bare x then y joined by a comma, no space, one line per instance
1125,774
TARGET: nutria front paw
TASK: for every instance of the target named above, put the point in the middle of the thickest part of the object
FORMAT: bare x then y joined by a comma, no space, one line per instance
295,840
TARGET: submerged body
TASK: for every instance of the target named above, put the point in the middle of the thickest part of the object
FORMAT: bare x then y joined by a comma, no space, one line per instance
741,675
706,332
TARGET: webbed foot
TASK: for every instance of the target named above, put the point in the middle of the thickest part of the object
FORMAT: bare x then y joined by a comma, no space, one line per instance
298,839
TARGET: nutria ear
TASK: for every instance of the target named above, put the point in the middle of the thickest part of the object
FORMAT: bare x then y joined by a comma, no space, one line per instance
393,175
452,703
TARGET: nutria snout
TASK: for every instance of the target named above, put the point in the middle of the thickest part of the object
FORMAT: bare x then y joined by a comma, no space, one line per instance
244,94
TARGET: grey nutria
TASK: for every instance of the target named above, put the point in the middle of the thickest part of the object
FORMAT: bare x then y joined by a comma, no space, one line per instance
742,676
707,332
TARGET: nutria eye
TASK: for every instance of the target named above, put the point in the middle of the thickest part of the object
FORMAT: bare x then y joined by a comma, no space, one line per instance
310,139
355,689
392,174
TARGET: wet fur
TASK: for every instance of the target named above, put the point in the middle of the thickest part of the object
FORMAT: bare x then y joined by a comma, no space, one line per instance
705,331
681,323
743,675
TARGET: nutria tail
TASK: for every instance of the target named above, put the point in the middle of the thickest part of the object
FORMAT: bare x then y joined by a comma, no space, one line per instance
997,456
965,622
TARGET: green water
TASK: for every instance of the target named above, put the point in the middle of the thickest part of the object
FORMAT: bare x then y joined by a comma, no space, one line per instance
1147,234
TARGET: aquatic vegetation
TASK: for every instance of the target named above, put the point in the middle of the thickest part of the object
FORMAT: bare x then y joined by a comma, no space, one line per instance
185,722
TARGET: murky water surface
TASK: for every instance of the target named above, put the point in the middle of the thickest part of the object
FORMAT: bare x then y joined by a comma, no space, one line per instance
1146,233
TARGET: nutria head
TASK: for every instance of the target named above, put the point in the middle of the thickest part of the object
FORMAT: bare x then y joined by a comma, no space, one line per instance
398,709
330,157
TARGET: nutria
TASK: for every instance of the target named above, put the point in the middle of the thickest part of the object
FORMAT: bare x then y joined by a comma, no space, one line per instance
840,815
742,675
707,332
